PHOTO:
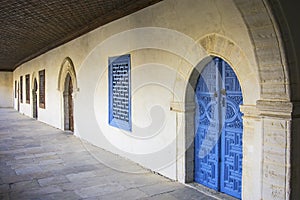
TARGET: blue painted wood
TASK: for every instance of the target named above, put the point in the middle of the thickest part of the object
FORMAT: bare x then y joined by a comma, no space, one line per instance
232,134
219,128
207,129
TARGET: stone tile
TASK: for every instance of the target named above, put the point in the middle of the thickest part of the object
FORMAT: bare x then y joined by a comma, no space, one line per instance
84,168
45,190
35,194
41,162
7,171
41,175
105,171
188,194
4,196
4,188
161,196
99,190
54,167
138,180
84,161
131,194
26,156
33,150
20,161
159,188
92,198
24,185
81,175
50,161
38,155
126,166
14,178
68,195
28,170
53,180
87,182
211,198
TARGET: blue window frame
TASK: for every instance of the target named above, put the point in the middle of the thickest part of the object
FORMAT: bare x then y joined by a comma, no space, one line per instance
119,92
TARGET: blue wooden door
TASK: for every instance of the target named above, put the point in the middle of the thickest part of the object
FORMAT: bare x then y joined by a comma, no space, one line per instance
219,128
232,132
207,129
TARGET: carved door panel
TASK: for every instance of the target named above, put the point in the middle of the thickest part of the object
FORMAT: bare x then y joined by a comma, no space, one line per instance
71,118
34,100
207,129
232,132
219,127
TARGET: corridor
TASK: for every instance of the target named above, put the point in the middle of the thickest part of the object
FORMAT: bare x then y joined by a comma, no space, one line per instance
40,162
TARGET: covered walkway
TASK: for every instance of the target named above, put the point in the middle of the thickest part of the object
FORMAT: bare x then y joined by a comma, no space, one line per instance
40,162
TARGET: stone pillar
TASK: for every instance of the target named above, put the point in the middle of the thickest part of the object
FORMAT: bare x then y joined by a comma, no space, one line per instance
295,152
252,152
276,165
185,114
189,119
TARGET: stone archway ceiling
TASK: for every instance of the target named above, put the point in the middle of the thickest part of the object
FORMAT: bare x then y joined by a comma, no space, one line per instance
29,28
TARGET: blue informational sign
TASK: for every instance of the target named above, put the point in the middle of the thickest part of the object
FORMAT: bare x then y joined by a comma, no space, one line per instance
119,92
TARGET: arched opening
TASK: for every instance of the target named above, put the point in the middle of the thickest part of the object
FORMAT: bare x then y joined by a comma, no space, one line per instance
68,104
67,85
218,129
34,99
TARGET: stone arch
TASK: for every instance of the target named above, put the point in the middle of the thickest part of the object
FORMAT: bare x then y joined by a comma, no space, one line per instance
33,77
276,86
286,41
280,85
67,75
220,46
67,67
267,41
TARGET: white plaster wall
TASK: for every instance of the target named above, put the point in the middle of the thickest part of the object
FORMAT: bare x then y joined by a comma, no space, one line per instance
51,114
163,41
6,89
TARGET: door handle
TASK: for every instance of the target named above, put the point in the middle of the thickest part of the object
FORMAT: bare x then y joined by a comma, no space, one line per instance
216,94
223,91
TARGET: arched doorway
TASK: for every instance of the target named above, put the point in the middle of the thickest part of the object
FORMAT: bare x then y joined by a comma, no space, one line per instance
34,100
68,104
67,85
218,129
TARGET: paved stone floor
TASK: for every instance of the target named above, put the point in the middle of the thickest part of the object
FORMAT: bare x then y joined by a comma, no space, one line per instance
41,162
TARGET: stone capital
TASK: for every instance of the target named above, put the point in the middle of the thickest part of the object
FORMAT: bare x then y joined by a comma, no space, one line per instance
276,109
178,106
250,111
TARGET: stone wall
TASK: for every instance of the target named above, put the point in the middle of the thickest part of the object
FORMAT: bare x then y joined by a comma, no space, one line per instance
6,89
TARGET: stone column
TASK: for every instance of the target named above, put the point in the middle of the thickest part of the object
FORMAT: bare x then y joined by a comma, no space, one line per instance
252,152
185,113
276,165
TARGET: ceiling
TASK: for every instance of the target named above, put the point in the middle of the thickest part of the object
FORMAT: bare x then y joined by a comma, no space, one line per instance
29,28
